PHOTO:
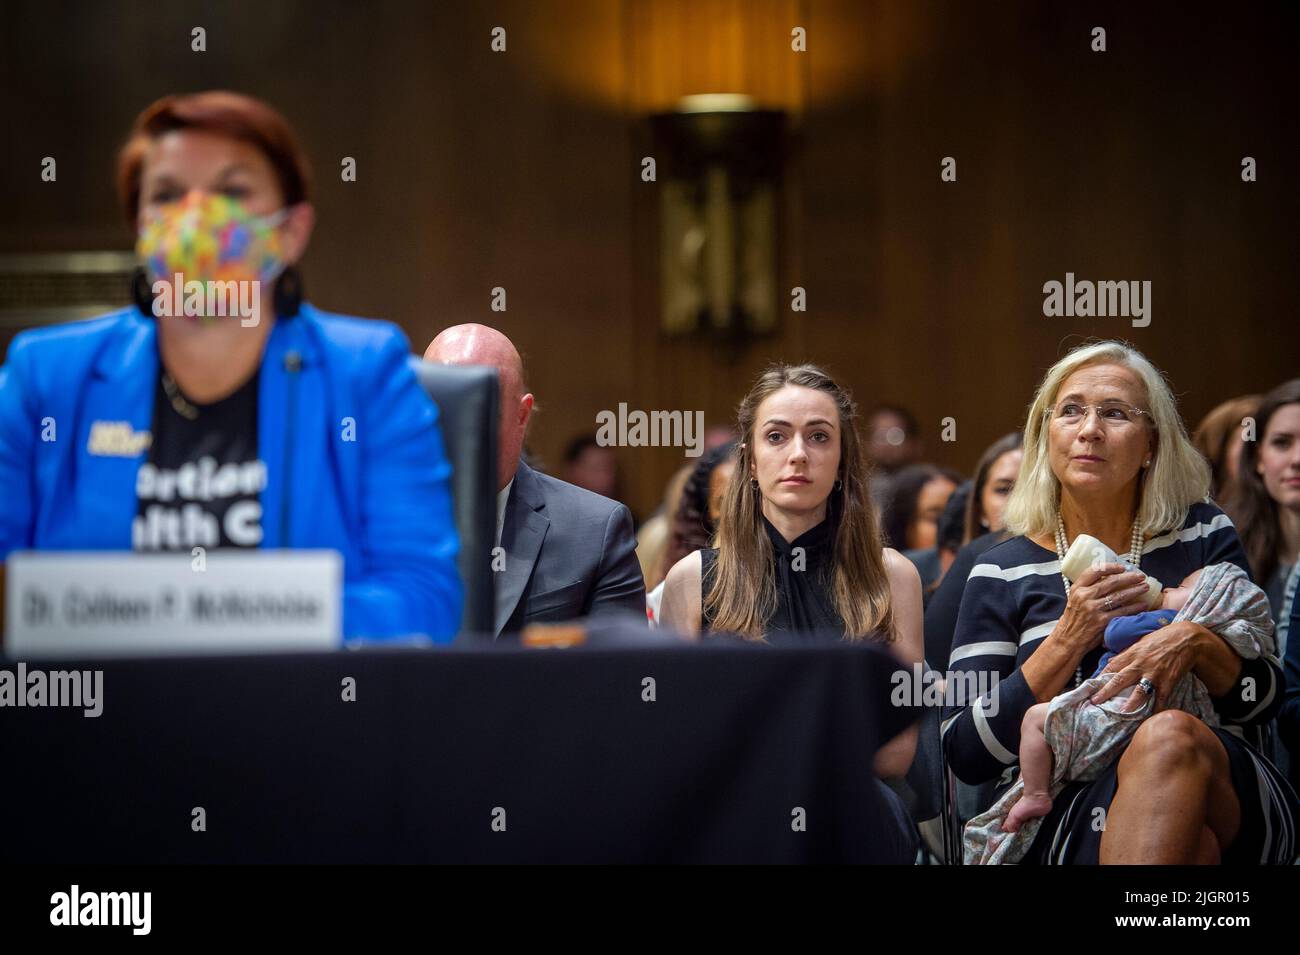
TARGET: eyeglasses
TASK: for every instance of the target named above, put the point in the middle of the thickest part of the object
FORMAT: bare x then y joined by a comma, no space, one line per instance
1110,413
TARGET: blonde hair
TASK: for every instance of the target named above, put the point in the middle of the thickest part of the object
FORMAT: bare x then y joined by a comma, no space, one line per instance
1177,478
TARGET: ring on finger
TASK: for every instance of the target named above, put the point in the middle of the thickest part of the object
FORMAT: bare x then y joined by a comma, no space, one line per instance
1146,686
1108,602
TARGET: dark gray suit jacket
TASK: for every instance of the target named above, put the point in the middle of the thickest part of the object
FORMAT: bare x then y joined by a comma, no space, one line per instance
569,554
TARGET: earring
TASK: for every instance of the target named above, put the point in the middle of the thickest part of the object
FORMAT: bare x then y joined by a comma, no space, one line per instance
753,483
838,484
288,292
141,293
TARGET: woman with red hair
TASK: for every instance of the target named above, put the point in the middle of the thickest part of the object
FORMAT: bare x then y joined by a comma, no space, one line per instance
221,410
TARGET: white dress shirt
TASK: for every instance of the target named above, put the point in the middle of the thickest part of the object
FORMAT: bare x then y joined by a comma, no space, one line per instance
503,495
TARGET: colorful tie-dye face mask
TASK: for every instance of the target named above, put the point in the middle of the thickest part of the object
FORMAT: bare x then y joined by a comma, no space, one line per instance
207,237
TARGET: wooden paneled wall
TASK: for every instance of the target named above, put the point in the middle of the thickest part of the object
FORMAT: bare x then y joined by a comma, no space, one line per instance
520,169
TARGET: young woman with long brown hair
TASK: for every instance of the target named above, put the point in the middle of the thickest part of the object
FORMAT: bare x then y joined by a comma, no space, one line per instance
798,548
1265,499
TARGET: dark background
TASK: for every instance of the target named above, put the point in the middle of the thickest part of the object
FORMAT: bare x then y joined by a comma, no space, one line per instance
521,169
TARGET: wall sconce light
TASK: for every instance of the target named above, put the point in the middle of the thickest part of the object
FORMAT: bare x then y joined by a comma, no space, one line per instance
719,185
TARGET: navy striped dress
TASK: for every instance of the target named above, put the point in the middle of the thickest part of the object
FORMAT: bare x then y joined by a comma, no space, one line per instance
1013,598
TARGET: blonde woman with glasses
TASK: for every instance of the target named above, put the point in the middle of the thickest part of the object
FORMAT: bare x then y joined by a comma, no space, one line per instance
1106,454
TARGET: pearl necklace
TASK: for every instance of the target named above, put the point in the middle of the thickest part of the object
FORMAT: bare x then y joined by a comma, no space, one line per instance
1134,557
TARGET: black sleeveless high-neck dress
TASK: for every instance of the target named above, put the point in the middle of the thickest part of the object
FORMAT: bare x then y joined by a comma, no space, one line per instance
802,568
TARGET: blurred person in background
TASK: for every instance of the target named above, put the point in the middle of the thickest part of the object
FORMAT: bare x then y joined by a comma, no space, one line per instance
921,492
892,443
1219,437
695,519
995,478
893,438
591,465
933,562
718,434
973,511
268,424
652,535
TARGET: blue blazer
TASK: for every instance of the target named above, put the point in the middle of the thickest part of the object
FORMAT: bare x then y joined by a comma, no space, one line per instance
378,493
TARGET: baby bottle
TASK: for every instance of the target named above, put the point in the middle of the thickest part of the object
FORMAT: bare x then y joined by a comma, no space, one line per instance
1087,551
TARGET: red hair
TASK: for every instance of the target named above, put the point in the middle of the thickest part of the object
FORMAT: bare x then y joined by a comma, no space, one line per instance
240,117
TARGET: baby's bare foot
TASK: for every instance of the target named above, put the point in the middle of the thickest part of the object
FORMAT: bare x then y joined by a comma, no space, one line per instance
1029,806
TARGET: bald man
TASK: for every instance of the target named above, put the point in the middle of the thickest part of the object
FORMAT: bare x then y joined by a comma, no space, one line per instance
569,553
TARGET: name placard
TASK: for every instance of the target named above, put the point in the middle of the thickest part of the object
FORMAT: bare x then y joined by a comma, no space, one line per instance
122,604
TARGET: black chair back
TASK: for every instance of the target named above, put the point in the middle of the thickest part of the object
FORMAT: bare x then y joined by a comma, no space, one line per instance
467,397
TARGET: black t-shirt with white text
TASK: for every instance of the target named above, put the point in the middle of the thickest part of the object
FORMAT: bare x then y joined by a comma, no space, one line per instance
202,483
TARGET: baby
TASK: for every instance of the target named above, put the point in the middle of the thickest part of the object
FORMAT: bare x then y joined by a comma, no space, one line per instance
1036,755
